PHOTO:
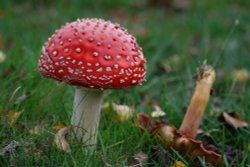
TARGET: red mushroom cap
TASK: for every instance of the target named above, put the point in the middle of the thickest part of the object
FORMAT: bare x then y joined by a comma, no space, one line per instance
93,53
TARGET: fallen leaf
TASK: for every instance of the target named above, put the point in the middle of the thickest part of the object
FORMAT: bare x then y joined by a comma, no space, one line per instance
140,160
157,112
248,147
59,125
13,116
233,119
145,122
2,57
22,98
60,140
178,164
123,112
241,75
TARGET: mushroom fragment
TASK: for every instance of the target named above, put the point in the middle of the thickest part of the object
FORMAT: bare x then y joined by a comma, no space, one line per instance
204,82
183,139
84,53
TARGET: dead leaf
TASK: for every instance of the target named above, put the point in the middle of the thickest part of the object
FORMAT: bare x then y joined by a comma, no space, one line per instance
22,98
178,164
123,112
140,160
145,122
60,140
2,57
13,116
241,75
233,119
157,112
248,147
59,125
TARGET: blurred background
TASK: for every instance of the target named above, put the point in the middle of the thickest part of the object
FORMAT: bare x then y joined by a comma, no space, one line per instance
176,36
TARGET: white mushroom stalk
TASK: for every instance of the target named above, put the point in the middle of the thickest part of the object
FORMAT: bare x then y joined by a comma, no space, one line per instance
86,114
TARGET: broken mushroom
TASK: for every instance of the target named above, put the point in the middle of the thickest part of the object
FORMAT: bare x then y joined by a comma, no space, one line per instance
183,139
93,55
204,82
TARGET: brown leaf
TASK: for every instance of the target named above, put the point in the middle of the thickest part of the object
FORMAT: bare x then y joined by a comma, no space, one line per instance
123,112
233,119
60,140
13,116
197,149
145,122
58,125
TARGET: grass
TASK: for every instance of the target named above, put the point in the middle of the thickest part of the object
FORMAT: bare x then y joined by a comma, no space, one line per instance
206,32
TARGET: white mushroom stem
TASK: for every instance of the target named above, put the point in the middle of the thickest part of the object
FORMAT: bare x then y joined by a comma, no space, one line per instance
86,115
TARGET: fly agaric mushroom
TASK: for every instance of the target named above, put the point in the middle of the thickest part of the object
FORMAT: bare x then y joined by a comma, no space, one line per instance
93,55
183,139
